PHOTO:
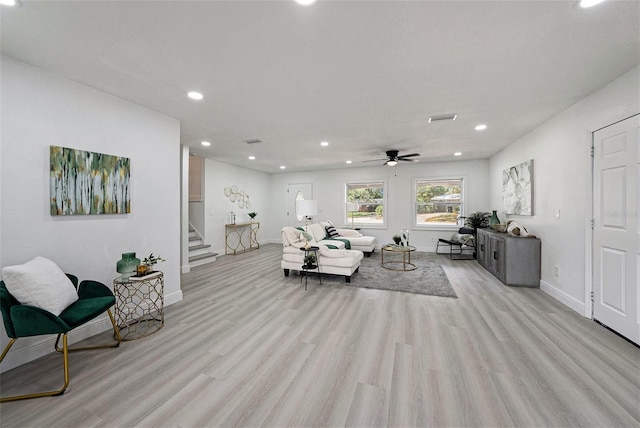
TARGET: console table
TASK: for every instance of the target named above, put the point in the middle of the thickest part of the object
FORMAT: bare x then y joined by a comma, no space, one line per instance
139,308
513,260
241,237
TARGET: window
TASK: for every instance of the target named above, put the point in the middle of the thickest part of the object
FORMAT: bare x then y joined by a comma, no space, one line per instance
369,199
439,202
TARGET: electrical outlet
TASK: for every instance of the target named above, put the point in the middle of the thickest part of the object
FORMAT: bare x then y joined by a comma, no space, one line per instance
556,213
555,271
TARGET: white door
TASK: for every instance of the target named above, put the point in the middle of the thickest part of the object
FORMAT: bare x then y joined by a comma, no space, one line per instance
296,192
616,249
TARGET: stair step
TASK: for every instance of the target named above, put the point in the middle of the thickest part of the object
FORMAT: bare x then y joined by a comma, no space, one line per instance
198,247
202,256
194,238
202,259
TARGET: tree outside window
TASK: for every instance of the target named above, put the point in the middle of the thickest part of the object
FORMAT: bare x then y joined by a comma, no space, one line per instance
369,197
438,202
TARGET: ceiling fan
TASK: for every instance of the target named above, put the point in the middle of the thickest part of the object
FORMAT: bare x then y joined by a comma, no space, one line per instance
393,158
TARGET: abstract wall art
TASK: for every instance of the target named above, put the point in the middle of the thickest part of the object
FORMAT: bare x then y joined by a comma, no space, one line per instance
83,182
517,189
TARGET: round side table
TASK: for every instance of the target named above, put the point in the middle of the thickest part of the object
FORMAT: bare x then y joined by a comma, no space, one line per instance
139,309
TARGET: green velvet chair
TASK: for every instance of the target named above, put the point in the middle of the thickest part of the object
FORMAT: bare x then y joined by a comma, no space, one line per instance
23,321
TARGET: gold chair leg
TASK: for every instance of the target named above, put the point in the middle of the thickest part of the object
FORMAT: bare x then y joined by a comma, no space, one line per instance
60,391
116,333
6,349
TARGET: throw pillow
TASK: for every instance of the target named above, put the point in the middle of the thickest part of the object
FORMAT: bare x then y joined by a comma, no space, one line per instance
41,283
331,231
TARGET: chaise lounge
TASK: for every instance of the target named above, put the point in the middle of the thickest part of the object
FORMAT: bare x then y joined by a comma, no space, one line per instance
333,261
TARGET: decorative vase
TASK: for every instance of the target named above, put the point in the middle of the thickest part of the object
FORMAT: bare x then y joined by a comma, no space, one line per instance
127,265
494,219
404,237
397,240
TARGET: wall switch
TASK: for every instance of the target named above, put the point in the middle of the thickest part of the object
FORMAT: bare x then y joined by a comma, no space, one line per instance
555,271
556,213
211,213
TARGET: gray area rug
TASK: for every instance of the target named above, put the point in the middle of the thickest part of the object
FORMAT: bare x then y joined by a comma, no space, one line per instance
428,278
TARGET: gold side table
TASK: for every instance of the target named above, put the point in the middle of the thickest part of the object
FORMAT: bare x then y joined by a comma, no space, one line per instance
405,263
139,309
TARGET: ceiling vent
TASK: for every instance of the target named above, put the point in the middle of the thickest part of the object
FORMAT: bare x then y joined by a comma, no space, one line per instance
442,117
254,141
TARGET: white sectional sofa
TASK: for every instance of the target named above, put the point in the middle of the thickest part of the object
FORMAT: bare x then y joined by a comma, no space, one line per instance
335,261
357,241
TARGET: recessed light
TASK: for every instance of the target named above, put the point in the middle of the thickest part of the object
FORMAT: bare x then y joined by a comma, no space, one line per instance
588,3
252,158
205,143
305,2
8,2
324,144
481,127
457,154
195,95
348,162
282,167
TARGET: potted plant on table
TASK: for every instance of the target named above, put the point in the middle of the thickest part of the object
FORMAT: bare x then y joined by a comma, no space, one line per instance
397,239
147,264
477,220
310,261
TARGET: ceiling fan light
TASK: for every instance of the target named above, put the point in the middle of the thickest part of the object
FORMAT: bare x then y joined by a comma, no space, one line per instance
589,3
392,162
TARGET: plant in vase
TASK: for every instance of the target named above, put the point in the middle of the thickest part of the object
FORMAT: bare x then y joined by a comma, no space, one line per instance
397,239
147,264
309,260
476,220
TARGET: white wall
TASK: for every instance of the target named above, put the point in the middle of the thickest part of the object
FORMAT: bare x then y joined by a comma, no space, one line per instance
217,206
40,109
562,181
328,190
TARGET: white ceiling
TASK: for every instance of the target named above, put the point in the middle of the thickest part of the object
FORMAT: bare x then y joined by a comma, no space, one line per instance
362,75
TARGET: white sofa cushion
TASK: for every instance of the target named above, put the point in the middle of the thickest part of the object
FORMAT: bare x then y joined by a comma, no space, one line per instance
318,232
40,283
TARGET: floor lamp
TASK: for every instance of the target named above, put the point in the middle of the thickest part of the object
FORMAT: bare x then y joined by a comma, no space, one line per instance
306,209
351,208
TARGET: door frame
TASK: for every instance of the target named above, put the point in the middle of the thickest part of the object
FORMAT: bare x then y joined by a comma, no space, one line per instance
590,216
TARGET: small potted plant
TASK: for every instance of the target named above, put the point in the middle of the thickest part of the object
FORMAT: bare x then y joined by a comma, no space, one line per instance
253,215
477,220
309,261
397,239
147,264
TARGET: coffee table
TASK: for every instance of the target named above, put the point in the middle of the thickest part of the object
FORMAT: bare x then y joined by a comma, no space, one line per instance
404,264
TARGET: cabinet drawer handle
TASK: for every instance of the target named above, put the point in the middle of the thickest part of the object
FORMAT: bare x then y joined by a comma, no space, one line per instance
495,255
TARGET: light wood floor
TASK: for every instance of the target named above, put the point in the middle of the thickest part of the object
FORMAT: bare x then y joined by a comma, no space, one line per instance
248,347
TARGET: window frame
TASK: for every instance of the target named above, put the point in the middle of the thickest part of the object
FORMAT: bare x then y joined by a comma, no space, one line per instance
463,202
347,218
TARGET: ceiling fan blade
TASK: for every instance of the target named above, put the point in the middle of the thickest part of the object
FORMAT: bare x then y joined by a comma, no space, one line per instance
375,160
409,156
407,160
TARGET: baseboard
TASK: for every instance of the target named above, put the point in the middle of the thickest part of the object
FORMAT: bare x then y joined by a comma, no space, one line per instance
170,299
31,348
563,297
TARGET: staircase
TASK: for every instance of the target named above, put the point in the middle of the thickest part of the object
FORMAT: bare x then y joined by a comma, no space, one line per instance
199,253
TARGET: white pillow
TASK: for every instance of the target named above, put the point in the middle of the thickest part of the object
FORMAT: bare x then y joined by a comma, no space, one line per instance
41,283
317,231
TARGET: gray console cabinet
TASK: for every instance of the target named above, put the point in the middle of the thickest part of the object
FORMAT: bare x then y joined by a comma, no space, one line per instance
513,260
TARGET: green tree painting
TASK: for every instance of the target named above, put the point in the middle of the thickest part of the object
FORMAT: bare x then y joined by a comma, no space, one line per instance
83,182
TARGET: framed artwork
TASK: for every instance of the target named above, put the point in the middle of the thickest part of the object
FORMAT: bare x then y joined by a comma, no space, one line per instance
82,182
517,189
